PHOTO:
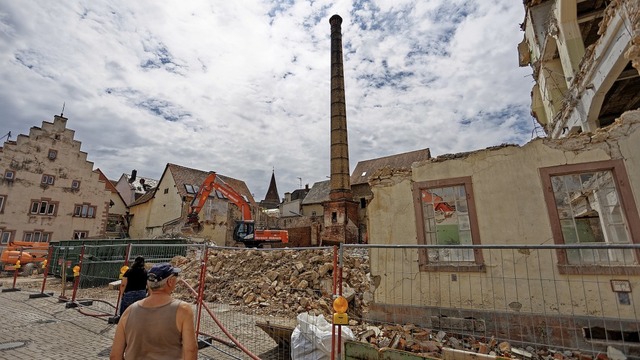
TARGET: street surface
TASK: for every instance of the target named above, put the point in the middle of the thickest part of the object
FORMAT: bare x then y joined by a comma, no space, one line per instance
44,328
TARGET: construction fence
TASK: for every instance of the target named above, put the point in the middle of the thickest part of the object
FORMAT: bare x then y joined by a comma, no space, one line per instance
416,302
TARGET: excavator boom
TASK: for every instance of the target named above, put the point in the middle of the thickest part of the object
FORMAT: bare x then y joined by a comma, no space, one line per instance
244,230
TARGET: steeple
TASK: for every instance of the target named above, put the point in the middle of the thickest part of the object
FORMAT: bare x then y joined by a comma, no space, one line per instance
272,199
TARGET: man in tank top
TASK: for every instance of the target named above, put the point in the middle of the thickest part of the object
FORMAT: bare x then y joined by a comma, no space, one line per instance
157,327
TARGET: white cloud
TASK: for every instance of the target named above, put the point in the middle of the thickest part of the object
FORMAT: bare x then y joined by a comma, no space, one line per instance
242,87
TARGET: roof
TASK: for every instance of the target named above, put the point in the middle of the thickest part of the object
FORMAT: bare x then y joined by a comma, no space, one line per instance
187,176
318,194
364,169
138,187
144,198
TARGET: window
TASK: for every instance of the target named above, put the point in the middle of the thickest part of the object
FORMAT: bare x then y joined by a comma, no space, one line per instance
75,184
43,207
5,236
85,211
36,236
52,154
445,214
189,189
77,234
48,179
9,174
2,201
363,203
166,190
591,203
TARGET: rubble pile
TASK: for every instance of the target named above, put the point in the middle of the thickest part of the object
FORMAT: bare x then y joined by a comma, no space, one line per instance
433,344
279,283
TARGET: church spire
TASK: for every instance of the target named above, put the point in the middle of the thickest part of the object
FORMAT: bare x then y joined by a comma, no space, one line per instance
272,199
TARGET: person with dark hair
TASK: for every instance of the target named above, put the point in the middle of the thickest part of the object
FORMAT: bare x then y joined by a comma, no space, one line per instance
134,284
157,327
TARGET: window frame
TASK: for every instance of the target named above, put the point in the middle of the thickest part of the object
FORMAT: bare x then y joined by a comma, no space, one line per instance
53,154
83,234
625,196
9,233
477,265
44,207
3,200
37,236
9,175
48,179
75,184
85,210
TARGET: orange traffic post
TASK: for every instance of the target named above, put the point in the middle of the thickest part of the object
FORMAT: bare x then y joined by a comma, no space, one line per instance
45,269
76,282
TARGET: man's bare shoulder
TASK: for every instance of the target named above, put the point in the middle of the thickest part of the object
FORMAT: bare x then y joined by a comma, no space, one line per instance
185,307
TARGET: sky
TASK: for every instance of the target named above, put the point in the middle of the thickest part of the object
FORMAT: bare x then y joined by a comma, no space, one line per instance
243,87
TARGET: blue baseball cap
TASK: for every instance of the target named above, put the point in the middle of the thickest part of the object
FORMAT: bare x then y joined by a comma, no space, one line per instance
162,271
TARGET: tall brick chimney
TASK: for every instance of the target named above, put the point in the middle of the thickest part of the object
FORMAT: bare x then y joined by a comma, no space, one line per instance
340,211
340,179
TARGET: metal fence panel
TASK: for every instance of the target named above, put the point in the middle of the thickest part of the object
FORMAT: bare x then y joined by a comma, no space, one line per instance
256,294
520,296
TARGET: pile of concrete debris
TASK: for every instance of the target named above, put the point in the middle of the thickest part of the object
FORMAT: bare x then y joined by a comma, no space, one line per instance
443,345
279,283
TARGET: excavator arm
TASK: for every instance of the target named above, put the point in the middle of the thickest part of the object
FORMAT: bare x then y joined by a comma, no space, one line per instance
210,184
244,230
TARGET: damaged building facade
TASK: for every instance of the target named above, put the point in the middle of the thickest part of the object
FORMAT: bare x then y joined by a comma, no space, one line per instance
580,186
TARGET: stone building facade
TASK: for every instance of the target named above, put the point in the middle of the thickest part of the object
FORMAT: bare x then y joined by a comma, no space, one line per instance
48,190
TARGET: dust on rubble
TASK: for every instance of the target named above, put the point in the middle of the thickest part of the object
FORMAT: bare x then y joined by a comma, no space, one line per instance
278,283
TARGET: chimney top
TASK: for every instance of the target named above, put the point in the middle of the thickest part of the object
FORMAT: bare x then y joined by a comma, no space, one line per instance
335,20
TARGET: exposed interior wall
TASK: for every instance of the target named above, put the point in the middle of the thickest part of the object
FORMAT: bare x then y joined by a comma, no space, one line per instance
511,209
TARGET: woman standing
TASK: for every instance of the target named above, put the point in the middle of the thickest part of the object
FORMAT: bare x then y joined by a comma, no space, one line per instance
134,283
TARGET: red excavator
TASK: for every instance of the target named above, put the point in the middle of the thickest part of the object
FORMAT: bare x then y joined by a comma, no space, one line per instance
244,231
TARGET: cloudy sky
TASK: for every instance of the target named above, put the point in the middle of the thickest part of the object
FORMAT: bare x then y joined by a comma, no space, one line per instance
242,87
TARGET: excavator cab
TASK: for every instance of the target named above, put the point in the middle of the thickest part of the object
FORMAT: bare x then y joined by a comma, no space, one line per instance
244,232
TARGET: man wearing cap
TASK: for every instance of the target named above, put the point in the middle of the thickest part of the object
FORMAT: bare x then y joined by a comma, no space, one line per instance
157,327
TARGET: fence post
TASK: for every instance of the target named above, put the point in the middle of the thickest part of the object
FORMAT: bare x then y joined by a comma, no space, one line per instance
120,289
45,266
63,274
201,281
76,282
116,317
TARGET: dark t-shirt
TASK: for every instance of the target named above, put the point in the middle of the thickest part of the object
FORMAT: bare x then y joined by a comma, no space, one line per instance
136,279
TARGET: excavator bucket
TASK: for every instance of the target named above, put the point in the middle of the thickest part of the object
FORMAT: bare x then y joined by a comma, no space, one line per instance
192,225
191,228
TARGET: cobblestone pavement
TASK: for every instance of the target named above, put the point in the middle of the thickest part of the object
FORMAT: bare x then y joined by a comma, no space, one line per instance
44,328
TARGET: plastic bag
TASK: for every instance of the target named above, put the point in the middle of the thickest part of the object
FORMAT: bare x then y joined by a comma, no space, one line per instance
311,339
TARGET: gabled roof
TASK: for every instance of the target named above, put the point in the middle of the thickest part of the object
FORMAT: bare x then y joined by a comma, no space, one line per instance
187,176
318,194
364,169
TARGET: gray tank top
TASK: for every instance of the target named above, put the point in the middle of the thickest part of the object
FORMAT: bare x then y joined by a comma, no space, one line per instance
152,334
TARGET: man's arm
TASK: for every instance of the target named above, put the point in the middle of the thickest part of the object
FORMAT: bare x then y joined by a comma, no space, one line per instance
119,340
184,318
